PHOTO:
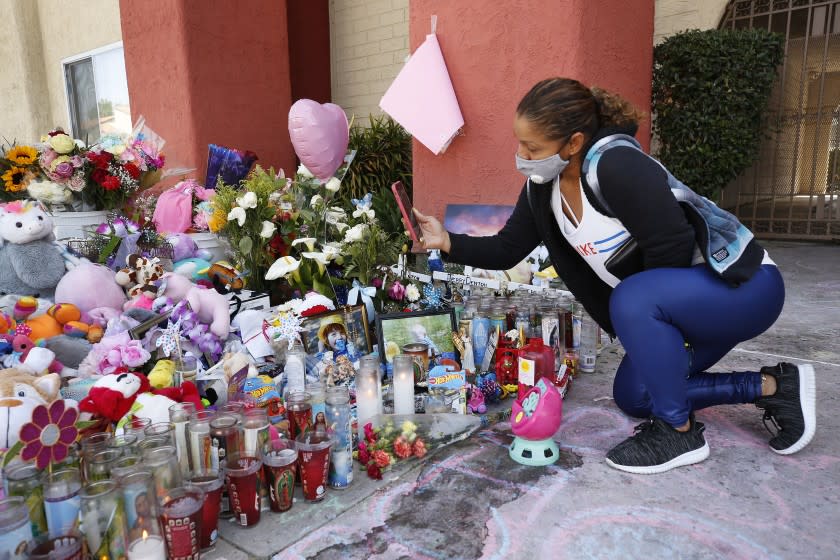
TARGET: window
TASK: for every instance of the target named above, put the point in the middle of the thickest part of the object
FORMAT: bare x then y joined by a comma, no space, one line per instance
97,93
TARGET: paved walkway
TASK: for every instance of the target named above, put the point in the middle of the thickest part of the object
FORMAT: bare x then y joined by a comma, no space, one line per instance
471,501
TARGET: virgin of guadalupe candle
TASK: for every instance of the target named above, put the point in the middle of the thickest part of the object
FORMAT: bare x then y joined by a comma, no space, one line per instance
279,464
15,530
61,501
200,443
340,427
103,520
299,412
180,518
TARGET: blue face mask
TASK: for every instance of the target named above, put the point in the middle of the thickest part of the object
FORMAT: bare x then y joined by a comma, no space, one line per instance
541,170
340,345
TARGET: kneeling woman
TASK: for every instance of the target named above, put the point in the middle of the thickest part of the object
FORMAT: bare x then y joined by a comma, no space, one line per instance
590,191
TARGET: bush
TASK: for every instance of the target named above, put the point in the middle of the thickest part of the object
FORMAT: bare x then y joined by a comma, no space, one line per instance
710,91
383,156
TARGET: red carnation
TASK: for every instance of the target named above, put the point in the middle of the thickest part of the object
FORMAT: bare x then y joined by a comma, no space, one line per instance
381,458
374,471
100,160
364,456
111,183
98,175
132,170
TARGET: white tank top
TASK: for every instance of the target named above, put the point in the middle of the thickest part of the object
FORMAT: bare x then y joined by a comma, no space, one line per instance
596,237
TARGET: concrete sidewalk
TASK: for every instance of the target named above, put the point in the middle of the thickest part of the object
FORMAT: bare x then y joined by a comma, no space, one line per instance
744,502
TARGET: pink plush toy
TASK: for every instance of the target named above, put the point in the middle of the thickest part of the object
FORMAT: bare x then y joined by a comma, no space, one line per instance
212,307
89,286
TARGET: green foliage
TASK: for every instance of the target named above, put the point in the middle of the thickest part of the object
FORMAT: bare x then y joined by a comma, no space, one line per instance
710,91
383,155
376,248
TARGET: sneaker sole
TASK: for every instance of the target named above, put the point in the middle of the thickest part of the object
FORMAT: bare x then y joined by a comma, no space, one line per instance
688,458
808,401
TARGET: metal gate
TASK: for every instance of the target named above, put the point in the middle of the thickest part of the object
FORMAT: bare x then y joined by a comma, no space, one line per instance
793,190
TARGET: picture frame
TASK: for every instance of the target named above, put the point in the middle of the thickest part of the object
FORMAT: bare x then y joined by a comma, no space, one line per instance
138,332
397,329
352,320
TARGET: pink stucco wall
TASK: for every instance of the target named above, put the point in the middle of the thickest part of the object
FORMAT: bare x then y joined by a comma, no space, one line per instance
214,75
495,52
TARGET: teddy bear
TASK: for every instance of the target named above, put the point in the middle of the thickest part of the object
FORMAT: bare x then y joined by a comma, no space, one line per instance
139,278
113,396
211,306
30,263
20,393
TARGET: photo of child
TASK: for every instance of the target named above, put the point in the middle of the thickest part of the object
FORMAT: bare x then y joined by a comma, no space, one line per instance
432,329
344,333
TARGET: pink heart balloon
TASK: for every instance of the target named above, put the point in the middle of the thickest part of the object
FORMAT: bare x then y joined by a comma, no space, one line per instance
320,134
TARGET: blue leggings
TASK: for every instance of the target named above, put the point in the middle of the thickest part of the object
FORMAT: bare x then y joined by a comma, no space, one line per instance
674,323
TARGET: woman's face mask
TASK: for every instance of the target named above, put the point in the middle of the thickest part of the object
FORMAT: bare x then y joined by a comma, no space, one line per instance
541,170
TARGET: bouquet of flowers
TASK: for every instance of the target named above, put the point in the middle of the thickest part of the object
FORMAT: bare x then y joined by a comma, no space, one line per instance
386,445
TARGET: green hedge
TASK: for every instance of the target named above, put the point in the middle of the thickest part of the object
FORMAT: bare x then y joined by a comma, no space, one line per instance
710,93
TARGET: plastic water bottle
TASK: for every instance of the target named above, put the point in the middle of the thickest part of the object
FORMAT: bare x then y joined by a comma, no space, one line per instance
588,350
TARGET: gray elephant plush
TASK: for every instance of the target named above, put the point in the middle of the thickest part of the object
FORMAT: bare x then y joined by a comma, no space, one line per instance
30,263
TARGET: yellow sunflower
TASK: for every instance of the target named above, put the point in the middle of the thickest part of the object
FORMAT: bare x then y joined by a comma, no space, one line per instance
16,179
22,155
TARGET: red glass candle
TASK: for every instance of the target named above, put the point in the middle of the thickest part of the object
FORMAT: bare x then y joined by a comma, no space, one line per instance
181,521
313,464
243,483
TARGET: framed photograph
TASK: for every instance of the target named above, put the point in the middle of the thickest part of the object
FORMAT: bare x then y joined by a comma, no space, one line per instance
432,328
343,332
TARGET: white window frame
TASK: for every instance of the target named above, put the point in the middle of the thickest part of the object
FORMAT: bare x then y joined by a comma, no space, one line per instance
76,58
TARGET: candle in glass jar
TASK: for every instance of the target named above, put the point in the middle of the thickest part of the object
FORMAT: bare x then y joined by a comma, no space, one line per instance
368,391
148,547
403,384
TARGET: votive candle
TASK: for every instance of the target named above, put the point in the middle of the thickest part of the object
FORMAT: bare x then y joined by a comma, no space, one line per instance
368,392
147,547
403,384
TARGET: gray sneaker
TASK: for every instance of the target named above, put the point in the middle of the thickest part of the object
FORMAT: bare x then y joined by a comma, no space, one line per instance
792,408
657,447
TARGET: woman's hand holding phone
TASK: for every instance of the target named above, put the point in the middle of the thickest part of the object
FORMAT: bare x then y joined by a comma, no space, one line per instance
435,235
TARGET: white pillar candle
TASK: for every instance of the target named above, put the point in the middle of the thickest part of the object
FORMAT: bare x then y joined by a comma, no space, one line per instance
149,547
403,384
368,392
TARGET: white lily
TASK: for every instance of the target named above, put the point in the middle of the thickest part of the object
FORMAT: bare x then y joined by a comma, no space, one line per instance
341,226
319,258
247,200
237,213
309,241
304,172
333,184
282,267
330,250
268,229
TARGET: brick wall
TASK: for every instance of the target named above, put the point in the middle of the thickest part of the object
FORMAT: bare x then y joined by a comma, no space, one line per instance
369,44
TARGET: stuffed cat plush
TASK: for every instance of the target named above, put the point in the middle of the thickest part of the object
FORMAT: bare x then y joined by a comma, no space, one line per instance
20,393
30,264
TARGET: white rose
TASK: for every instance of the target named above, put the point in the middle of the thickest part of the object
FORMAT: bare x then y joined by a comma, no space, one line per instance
268,229
355,233
316,201
237,214
335,215
304,172
412,294
333,185
62,143
247,200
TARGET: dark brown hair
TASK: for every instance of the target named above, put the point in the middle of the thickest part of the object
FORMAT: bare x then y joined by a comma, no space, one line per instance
562,106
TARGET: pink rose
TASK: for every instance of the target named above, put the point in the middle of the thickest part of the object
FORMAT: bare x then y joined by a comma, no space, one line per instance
134,355
77,161
77,182
47,157
64,169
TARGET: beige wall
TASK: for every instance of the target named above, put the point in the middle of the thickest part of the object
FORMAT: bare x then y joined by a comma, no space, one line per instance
673,16
369,44
37,36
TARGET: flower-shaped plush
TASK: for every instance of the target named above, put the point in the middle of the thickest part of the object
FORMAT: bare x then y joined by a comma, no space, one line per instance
49,435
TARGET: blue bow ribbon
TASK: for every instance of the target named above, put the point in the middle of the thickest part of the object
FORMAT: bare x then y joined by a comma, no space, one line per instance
366,294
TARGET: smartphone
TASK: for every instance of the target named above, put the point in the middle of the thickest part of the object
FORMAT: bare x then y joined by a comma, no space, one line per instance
409,219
